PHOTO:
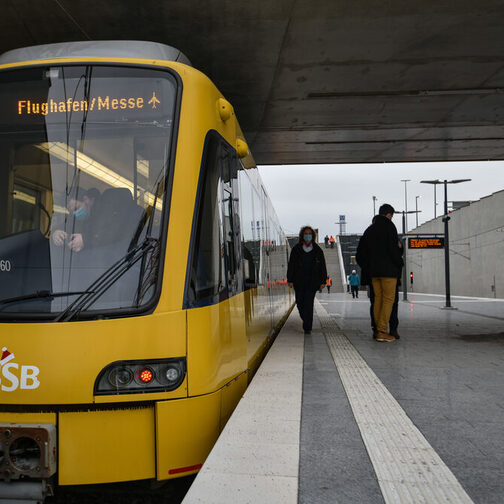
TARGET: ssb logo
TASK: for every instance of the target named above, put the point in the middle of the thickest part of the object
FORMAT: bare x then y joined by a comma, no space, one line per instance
11,378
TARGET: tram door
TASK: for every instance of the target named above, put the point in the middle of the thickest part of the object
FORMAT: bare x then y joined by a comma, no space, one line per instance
231,221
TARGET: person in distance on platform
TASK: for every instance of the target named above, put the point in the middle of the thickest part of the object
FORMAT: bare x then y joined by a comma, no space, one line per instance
331,241
307,273
326,241
354,282
329,284
379,256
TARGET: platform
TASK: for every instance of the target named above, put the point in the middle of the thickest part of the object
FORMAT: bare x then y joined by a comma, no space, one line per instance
336,417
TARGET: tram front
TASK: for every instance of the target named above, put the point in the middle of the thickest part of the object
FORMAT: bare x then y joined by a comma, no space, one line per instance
86,160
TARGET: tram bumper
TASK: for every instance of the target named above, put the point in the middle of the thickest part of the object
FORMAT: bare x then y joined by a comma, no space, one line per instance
159,440
151,440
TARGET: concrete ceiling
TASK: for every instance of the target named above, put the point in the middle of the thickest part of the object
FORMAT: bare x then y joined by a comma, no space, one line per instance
318,81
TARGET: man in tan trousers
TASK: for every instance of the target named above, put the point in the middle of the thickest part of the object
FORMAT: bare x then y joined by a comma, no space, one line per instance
380,256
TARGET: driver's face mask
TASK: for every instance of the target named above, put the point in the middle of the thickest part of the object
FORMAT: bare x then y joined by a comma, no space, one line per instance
81,214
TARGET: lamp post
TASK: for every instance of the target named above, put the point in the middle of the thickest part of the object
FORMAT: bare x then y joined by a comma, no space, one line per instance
446,218
405,246
434,183
406,199
435,202
374,205
416,208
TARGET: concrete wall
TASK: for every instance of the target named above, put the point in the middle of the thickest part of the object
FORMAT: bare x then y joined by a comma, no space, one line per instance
476,252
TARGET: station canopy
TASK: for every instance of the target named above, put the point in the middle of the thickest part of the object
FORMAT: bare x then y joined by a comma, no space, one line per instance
318,81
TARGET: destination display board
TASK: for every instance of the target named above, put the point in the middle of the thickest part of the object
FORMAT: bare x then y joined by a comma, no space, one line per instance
76,94
426,242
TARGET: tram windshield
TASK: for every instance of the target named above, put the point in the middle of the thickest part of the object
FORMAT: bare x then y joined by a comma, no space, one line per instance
84,164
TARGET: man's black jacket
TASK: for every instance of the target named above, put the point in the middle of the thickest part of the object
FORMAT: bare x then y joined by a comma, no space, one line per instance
295,268
378,253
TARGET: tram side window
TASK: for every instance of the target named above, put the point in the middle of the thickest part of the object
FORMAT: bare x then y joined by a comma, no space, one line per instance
231,221
258,230
250,242
207,274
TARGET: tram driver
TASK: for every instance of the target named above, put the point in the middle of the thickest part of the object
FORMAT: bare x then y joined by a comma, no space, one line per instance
101,220
80,208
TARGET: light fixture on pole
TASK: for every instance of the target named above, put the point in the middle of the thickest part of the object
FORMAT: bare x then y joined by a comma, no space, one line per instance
446,218
374,205
406,199
434,183
416,208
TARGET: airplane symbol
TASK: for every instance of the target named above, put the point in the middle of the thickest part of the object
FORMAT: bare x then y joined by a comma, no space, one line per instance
153,101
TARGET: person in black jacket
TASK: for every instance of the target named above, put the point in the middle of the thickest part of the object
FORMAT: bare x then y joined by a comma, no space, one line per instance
379,256
366,280
307,273
81,207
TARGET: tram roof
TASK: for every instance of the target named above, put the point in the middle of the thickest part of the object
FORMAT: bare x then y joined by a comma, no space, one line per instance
95,49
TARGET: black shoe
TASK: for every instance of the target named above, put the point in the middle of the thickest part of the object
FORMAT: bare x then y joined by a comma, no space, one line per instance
393,332
307,332
375,333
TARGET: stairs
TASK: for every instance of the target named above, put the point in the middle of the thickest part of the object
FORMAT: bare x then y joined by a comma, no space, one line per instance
333,266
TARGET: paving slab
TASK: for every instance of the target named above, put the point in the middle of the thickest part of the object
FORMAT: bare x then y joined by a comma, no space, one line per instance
256,458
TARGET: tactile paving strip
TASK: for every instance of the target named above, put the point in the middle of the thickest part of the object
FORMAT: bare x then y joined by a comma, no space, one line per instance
407,467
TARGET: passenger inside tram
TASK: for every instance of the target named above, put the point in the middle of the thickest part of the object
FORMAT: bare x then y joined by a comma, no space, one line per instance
97,220
111,220
81,209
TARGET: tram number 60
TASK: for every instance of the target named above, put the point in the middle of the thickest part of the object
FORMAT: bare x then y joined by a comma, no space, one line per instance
5,265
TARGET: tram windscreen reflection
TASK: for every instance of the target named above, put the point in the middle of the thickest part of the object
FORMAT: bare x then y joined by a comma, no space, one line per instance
84,155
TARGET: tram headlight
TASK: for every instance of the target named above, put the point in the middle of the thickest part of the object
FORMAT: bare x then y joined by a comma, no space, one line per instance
120,377
141,376
172,374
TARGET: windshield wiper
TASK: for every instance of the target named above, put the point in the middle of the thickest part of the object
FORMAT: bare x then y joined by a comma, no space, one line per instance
135,253
38,294
107,279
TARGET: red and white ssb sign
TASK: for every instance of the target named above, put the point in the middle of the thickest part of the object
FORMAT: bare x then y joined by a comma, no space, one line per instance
14,376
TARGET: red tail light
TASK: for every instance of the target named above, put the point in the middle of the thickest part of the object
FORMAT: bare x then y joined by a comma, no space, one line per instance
146,375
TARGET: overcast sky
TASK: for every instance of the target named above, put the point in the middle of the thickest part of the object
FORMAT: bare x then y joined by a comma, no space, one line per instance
318,194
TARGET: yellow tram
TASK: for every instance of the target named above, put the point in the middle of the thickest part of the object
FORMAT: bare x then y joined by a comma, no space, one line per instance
142,266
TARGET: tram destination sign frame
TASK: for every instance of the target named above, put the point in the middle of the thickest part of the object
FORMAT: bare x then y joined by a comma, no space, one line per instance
426,242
